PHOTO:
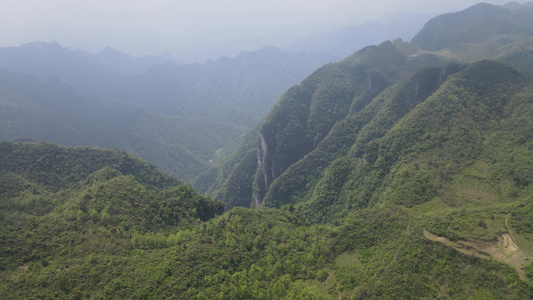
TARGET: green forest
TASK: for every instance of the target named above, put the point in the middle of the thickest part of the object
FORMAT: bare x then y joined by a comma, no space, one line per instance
113,226
404,171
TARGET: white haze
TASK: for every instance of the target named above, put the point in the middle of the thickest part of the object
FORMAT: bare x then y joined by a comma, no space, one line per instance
145,27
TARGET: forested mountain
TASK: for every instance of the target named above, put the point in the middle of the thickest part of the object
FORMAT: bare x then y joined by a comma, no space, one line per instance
305,113
82,222
60,204
343,94
483,23
397,173
398,125
482,31
174,116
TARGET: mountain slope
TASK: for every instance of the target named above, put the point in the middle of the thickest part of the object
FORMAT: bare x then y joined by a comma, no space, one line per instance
108,236
306,113
419,158
373,122
364,156
362,127
290,139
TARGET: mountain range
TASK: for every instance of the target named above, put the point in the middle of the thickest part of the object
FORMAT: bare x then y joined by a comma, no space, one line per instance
175,116
403,171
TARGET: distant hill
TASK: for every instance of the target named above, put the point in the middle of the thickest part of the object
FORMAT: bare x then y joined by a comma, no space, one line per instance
45,178
344,42
124,63
241,90
107,188
482,23
45,60
53,111
53,167
245,88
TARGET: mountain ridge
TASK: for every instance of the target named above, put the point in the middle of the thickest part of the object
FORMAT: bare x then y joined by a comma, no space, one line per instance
269,167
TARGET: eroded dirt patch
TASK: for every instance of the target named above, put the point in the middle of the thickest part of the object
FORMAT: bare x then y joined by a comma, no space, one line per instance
504,250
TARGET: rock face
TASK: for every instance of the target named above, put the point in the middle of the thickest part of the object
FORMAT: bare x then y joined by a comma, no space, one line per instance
264,160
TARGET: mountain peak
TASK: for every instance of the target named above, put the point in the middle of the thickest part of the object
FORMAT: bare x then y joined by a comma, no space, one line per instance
111,51
478,23
53,45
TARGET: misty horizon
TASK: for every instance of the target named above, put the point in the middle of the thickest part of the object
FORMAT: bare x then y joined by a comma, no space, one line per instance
190,28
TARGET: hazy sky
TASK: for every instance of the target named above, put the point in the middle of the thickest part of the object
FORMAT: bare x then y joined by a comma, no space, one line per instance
155,26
